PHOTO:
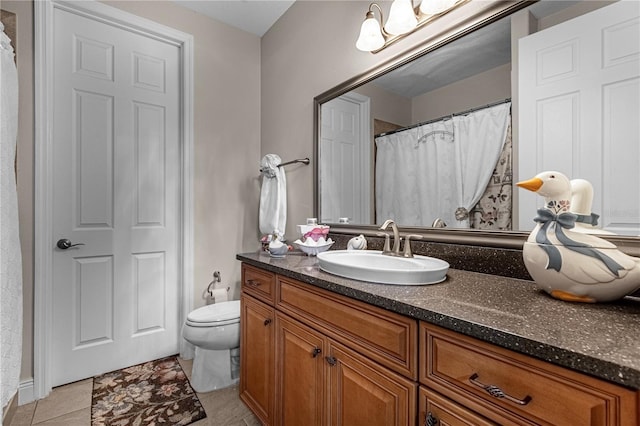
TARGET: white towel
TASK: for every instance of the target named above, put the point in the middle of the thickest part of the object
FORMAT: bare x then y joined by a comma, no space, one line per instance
10,257
273,196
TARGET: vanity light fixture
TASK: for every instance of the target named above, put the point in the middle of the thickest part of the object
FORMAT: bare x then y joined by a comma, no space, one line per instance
403,20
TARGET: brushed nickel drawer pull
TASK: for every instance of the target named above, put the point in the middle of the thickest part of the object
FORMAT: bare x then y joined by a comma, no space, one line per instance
253,283
430,420
496,392
331,360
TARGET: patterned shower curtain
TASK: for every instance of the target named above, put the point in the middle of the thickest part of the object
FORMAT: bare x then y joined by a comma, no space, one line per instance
494,210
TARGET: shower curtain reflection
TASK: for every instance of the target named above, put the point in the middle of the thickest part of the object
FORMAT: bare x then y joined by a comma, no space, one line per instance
441,170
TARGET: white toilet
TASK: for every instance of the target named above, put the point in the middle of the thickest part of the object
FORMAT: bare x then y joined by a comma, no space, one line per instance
215,332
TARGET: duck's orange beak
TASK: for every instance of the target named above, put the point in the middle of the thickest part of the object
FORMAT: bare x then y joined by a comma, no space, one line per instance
531,184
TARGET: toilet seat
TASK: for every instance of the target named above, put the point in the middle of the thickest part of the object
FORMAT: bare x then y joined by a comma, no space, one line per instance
216,315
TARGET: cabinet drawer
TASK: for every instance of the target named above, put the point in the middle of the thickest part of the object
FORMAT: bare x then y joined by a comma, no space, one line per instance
464,368
438,410
259,283
386,337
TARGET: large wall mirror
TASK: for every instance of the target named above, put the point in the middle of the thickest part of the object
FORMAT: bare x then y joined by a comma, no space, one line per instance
474,82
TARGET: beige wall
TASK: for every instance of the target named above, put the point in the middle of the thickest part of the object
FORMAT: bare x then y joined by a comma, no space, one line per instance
482,89
386,106
226,145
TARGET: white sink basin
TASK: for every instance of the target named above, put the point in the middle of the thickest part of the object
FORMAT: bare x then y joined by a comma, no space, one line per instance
373,266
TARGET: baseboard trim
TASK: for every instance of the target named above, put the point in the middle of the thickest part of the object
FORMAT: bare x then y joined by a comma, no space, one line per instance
26,392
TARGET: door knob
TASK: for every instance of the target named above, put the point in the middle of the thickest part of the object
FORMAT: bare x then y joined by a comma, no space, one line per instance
65,243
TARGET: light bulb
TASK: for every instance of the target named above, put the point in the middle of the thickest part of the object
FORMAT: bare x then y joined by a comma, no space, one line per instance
433,7
402,18
370,35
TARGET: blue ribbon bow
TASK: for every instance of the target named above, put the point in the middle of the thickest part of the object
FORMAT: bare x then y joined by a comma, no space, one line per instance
566,220
590,219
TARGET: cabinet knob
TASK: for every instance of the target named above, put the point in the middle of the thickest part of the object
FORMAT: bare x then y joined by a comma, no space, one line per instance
267,321
496,392
315,352
331,360
430,420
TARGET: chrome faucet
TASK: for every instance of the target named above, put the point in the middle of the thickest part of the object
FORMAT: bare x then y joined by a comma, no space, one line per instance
396,238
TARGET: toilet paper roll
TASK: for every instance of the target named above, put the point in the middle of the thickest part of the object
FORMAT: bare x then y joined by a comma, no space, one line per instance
219,295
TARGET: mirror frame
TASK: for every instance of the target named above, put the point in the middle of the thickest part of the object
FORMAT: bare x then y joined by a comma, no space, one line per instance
492,12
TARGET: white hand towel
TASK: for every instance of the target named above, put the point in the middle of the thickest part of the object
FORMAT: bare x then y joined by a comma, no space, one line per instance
273,196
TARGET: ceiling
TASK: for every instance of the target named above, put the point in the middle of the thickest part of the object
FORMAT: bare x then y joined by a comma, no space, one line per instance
253,16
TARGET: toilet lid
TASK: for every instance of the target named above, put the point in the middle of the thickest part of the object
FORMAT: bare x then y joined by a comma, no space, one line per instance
216,314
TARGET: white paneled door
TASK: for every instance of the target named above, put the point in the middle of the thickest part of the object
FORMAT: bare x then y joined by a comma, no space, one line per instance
579,111
116,197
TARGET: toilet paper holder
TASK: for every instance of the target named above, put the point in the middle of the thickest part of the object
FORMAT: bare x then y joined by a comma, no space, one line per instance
217,277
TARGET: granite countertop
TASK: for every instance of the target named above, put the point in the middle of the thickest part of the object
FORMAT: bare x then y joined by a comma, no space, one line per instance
597,339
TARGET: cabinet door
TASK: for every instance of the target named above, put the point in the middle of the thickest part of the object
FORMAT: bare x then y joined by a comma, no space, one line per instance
257,349
438,410
299,373
362,392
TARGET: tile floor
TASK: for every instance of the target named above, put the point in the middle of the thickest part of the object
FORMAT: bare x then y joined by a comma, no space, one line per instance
70,405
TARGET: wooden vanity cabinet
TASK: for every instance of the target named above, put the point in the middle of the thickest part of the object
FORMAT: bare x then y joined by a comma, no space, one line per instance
313,357
314,367
320,381
514,389
388,338
257,342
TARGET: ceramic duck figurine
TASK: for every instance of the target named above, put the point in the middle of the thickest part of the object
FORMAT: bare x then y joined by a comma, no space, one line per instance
569,265
581,201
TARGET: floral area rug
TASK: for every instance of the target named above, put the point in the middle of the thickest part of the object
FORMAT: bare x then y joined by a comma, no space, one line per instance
154,393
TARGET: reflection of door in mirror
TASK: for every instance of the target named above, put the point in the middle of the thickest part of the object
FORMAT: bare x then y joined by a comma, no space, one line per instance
345,166
579,108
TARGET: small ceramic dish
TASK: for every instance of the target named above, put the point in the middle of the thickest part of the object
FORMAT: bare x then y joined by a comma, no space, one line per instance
312,248
277,249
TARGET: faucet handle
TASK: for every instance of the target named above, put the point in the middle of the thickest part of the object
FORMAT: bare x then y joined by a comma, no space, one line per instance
387,245
407,244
